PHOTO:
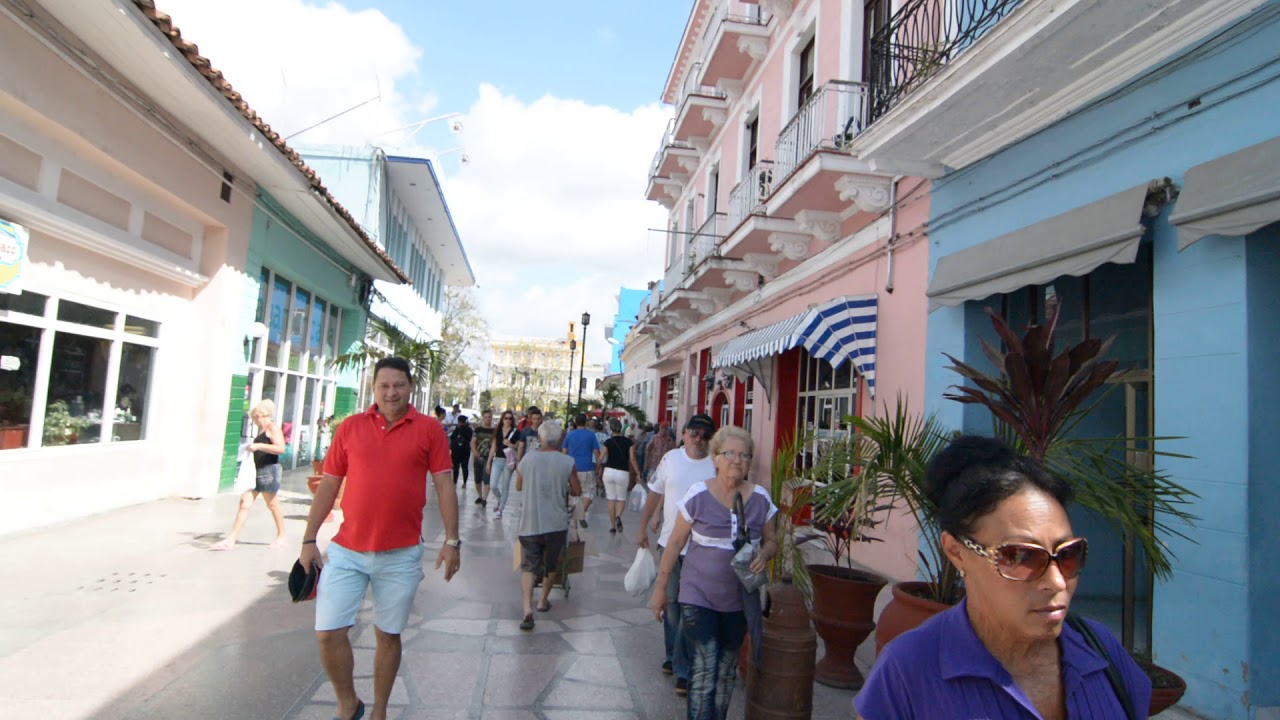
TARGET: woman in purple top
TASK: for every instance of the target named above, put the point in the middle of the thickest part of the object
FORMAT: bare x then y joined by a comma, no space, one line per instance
711,596
1008,649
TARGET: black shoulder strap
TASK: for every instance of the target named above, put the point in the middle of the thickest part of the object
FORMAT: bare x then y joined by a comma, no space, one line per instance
1113,673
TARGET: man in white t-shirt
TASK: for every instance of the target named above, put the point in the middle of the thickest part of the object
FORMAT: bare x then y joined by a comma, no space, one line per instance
679,470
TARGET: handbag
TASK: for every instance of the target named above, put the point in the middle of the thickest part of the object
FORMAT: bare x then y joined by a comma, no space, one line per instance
1113,673
745,550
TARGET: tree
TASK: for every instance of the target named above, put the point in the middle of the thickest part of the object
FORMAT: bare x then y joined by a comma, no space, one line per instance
486,399
462,330
425,356
612,397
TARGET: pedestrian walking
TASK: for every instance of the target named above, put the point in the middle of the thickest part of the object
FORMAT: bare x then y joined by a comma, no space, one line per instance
502,459
547,478
266,448
676,472
582,445
659,445
384,454
529,434
481,451
460,450
620,462
715,608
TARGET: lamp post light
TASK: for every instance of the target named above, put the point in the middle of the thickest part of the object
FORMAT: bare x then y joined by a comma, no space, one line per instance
568,395
582,377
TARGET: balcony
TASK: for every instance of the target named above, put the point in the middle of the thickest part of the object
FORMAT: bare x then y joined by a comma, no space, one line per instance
736,37
954,82
813,172
703,110
671,165
747,197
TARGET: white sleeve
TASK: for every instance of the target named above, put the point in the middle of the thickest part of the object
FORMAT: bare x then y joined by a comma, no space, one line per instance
658,482
773,509
696,489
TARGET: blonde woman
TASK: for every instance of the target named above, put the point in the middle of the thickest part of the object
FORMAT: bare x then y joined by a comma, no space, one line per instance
266,448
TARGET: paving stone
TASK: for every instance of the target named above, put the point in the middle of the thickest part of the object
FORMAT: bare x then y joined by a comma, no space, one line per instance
575,694
589,715
506,628
457,626
364,690
442,680
593,622
636,616
597,669
591,643
518,680
469,610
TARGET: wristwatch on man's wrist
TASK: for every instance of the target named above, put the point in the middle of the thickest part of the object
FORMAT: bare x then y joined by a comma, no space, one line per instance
454,543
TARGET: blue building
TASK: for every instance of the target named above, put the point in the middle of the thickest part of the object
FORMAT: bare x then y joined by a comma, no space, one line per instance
629,302
1121,161
399,202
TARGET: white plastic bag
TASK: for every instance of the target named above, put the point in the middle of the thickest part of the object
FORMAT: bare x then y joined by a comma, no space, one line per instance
642,573
639,496
246,473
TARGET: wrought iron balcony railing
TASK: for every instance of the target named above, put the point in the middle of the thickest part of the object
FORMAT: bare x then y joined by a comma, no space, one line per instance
693,85
829,120
668,141
920,39
697,246
748,196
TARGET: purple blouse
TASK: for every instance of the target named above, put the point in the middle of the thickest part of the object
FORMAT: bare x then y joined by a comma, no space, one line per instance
942,670
707,578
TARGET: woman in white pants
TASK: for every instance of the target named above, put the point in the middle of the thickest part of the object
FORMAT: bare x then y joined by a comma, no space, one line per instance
620,462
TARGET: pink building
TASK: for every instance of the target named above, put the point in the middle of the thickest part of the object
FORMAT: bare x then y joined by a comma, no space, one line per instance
793,292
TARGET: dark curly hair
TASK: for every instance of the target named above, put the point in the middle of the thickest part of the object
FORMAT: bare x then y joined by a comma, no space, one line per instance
969,477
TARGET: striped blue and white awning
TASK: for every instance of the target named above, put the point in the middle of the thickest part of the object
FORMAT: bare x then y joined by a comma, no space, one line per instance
839,330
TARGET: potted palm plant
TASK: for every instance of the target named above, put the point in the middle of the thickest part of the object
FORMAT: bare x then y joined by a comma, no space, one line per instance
15,419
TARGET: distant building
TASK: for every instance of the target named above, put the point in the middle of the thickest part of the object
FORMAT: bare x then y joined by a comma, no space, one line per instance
629,302
536,371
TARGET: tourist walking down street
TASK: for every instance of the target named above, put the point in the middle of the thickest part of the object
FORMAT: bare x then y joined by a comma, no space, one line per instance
266,448
714,605
460,450
582,445
481,451
547,479
620,462
384,454
658,446
502,458
675,473
529,434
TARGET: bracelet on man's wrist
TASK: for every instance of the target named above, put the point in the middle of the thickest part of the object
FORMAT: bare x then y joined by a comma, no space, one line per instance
308,542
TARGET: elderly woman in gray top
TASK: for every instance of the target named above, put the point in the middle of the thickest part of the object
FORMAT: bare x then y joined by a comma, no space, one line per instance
546,478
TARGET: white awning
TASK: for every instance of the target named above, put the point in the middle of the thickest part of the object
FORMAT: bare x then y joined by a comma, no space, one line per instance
1073,243
1231,196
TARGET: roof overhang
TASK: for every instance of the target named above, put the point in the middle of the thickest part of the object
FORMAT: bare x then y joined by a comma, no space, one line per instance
414,180
135,47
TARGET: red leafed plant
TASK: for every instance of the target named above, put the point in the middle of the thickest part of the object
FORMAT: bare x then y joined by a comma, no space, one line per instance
1038,399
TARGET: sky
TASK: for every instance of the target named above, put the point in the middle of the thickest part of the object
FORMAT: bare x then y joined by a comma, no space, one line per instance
561,113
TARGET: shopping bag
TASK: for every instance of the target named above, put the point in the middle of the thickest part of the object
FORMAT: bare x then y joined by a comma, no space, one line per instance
575,557
642,573
741,563
639,496
246,474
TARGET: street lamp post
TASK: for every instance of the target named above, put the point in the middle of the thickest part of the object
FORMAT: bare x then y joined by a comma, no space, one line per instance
568,396
582,377
524,386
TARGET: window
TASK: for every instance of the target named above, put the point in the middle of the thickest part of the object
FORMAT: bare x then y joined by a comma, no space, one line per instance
713,190
805,89
875,16
93,388
827,395
753,143
749,404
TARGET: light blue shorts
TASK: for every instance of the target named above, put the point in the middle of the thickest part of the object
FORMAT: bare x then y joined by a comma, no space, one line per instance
394,575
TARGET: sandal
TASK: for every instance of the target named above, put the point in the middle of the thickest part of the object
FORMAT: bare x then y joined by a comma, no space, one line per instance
544,609
525,624
359,712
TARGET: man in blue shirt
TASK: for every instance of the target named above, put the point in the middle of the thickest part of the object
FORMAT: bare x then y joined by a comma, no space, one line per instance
582,445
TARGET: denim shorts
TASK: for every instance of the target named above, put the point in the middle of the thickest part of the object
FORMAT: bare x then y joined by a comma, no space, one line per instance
394,575
267,479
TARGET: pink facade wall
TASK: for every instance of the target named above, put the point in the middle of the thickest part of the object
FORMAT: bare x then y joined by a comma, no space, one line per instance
770,91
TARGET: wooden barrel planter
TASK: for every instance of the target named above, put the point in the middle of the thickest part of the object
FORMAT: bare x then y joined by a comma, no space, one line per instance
780,687
844,603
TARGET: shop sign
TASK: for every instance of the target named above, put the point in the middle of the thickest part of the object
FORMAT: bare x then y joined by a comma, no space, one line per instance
13,256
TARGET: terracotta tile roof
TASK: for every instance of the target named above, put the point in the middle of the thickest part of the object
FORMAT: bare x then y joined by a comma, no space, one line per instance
202,65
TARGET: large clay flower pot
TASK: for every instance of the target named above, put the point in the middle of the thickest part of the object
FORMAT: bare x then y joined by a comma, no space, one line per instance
907,610
1167,688
313,482
844,603
781,686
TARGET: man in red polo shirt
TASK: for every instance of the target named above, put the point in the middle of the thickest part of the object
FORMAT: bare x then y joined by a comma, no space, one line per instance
385,454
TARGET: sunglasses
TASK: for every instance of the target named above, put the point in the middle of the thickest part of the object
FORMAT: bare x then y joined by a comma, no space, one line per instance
1025,562
699,434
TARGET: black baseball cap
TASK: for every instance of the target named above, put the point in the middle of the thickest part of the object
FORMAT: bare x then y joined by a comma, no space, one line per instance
701,421
302,584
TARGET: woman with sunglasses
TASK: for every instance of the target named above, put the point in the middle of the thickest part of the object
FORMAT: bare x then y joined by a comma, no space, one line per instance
1007,649
506,438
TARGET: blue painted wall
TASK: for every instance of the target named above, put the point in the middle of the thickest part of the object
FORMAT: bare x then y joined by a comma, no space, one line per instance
629,302
1215,321
1262,252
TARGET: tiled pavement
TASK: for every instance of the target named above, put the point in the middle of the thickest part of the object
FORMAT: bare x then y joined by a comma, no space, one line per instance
128,615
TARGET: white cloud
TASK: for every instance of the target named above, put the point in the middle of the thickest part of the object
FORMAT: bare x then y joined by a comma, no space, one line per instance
551,209
280,54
